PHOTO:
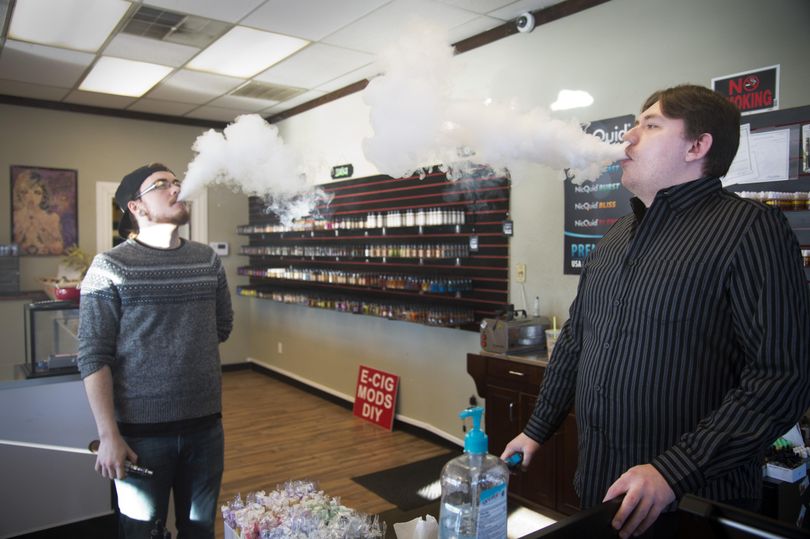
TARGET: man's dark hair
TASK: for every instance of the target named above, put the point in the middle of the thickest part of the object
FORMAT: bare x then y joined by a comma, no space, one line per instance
703,111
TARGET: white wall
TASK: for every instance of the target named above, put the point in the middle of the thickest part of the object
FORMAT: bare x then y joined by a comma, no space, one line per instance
620,51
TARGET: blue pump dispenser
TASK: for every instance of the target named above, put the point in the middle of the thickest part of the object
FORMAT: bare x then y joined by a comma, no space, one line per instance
476,440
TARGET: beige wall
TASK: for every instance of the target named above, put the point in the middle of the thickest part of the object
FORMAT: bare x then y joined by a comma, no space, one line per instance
102,149
619,51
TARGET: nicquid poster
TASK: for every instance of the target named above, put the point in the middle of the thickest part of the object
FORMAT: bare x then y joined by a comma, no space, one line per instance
591,207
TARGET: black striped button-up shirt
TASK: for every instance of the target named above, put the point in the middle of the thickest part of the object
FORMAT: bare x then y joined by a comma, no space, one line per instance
686,347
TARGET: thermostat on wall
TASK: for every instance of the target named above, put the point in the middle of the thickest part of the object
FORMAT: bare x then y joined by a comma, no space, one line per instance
220,247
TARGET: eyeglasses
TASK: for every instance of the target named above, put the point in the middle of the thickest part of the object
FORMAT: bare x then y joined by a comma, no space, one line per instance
161,184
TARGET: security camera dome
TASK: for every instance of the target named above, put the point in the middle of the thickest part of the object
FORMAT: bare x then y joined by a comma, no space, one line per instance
525,22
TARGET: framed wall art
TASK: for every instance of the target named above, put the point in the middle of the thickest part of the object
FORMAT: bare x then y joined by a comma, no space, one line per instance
44,204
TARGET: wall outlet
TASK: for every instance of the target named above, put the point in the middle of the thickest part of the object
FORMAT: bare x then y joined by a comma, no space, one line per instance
520,273
280,348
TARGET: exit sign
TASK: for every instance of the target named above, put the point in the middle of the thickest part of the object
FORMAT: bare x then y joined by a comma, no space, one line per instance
342,171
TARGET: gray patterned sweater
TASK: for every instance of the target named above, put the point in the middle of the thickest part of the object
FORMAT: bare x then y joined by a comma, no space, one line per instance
156,317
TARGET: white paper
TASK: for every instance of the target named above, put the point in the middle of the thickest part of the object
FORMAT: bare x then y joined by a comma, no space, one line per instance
806,148
741,168
761,157
772,153
418,528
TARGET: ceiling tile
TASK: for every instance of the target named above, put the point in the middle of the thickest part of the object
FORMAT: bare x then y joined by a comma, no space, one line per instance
245,52
478,6
157,106
149,50
33,91
39,64
221,10
189,86
310,19
373,32
244,104
75,24
521,6
219,114
95,99
315,65
473,27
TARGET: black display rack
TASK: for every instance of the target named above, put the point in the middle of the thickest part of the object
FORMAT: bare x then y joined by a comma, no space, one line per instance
422,249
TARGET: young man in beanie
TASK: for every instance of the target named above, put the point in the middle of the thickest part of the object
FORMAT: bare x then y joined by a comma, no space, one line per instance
152,314
687,352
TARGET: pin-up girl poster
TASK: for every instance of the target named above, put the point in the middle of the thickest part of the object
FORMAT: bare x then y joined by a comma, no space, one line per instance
43,203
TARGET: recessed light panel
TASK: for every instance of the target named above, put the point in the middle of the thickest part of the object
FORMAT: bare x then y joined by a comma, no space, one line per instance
82,25
243,52
123,77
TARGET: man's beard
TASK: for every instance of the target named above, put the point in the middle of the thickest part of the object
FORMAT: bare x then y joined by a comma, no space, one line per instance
181,218
178,218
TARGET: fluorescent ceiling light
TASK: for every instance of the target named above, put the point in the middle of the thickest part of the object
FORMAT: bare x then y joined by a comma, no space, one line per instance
74,24
572,99
123,77
243,52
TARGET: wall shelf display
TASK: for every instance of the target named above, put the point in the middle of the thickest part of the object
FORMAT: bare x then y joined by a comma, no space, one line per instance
430,250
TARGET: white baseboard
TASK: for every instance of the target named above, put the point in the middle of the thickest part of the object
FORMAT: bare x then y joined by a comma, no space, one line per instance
350,398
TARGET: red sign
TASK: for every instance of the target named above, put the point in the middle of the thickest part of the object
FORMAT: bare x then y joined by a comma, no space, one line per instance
751,91
376,396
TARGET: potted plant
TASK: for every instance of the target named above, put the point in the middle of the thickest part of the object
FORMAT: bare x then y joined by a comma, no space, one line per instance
72,269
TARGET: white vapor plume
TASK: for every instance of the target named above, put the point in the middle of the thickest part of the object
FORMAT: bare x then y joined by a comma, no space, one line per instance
417,123
408,103
250,156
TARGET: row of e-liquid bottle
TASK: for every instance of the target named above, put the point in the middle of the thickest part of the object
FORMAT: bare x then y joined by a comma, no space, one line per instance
423,314
388,219
412,283
420,217
794,200
415,250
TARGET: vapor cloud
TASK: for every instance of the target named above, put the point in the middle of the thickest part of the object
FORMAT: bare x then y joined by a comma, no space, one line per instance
250,156
417,122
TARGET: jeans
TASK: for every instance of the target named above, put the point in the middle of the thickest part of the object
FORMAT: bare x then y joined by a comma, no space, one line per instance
189,464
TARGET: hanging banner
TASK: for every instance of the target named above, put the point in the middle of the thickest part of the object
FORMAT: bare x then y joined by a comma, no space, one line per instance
592,207
752,91
376,396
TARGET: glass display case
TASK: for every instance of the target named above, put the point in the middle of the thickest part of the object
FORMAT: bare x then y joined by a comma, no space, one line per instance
51,338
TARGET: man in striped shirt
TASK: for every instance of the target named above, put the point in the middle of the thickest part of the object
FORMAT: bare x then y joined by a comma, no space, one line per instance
687,350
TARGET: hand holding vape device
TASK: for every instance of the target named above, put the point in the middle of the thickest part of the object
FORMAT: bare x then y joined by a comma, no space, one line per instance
130,467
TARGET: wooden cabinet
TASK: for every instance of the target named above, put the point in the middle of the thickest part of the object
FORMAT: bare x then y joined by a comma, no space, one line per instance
510,388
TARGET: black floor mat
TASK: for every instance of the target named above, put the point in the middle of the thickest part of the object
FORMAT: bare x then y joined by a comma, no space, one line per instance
401,485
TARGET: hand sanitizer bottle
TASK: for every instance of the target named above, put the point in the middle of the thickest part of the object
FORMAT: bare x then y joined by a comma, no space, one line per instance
474,485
